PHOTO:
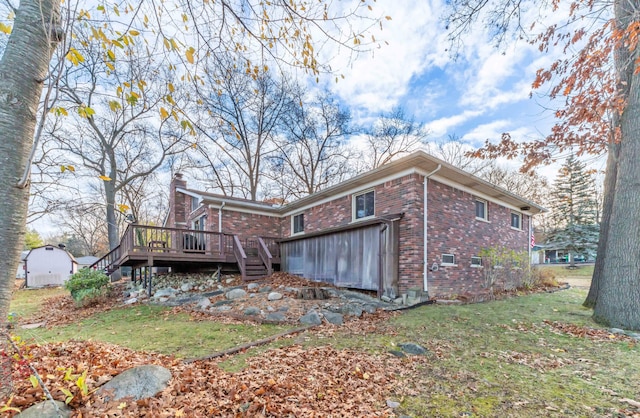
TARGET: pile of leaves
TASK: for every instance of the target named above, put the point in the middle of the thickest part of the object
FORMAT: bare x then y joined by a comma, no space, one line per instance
289,381
62,309
585,332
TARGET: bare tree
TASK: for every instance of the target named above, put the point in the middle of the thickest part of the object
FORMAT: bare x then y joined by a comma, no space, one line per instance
312,152
243,114
393,135
456,152
109,125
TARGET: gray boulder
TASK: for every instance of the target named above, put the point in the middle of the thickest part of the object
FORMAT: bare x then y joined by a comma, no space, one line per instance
265,289
235,294
252,310
166,292
333,317
252,286
311,318
274,296
352,309
186,287
413,348
138,383
276,317
204,303
47,409
130,301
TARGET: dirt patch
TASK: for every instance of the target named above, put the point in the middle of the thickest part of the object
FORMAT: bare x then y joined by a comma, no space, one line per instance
578,282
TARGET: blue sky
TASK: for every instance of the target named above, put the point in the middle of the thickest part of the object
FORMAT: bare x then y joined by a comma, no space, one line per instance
482,94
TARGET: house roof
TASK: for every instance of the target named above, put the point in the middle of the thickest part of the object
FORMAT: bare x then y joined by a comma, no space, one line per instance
418,162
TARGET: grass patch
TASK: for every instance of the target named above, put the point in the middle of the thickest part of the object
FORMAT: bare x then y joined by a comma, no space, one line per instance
581,271
503,359
155,329
25,302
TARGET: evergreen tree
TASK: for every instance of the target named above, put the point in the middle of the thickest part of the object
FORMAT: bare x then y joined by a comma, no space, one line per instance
574,208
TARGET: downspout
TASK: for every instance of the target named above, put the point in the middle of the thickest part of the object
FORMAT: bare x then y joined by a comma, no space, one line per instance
425,262
529,240
220,217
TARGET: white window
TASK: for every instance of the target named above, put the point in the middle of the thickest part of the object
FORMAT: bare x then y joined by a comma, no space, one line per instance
364,205
481,210
476,261
516,220
195,203
298,223
448,260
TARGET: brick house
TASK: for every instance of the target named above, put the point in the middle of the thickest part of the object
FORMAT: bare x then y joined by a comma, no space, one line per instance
369,231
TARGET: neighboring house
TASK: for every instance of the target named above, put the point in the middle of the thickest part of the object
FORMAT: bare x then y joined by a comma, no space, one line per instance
20,272
49,266
416,223
86,261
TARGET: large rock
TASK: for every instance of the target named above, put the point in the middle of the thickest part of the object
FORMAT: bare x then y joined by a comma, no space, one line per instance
274,296
252,310
234,294
138,383
413,348
47,409
333,317
311,318
352,309
204,303
166,292
276,317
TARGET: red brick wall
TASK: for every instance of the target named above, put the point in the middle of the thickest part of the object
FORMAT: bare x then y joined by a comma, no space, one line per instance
454,229
245,225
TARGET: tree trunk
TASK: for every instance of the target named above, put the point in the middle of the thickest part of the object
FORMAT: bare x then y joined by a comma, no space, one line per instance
611,173
23,68
618,299
112,222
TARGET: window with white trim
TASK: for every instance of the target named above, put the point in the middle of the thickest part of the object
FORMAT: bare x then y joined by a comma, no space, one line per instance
448,260
476,261
364,205
298,223
195,203
516,220
481,210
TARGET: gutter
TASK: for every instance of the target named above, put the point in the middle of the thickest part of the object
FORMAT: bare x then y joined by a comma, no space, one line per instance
425,261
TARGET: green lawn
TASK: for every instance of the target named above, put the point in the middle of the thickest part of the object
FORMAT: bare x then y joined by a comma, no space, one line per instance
501,358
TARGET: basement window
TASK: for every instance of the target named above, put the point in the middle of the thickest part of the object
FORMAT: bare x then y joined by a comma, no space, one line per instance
448,260
476,261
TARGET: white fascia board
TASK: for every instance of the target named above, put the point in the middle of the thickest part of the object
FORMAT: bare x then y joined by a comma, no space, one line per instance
350,191
188,193
232,208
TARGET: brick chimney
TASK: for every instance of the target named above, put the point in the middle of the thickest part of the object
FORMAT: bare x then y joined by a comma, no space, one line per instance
177,203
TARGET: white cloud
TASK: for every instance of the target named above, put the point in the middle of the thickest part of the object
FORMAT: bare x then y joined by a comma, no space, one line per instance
377,81
443,126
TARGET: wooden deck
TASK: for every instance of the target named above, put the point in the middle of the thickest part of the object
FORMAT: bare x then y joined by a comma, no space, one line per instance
187,250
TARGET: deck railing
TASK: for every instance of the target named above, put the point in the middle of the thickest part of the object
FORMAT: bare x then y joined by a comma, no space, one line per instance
273,246
265,256
154,239
240,255
109,262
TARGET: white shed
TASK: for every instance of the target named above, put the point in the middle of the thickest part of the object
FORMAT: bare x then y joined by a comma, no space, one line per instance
49,266
21,269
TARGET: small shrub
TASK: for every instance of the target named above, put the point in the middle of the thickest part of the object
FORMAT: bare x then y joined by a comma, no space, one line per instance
544,277
87,285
